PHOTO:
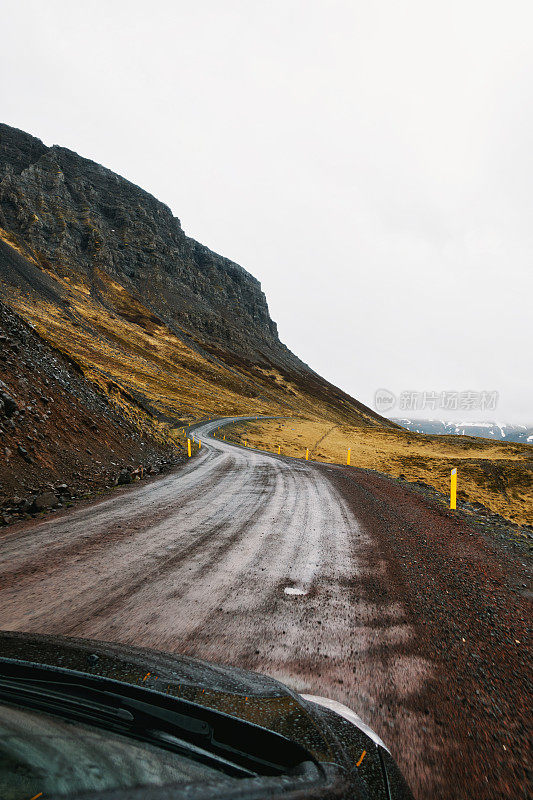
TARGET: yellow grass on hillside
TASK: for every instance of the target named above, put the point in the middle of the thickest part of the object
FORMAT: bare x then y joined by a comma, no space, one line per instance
497,474
123,358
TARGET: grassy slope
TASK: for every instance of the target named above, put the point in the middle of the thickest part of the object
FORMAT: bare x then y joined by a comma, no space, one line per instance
497,474
139,362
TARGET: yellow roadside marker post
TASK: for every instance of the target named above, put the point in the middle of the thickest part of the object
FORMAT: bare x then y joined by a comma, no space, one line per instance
307,454
279,449
189,447
224,437
245,442
348,456
453,488
199,444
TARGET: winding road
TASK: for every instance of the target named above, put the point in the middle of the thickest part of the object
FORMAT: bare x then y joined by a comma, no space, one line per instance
268,563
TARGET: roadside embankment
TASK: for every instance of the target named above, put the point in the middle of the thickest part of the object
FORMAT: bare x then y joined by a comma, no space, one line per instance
60,439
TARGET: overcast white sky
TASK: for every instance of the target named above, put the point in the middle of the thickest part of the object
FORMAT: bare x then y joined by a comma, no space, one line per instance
369,161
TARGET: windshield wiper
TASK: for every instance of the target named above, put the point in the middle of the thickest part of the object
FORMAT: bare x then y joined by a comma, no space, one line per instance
115,713
233,745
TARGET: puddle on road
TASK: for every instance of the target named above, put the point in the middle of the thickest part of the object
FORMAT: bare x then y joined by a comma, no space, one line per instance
294,590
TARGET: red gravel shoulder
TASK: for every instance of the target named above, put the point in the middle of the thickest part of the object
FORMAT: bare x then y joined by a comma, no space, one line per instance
468,600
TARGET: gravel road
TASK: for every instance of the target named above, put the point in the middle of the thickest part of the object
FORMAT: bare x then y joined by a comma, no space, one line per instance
336,581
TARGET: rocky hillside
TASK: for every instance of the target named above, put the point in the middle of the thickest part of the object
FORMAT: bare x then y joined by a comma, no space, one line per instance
60,439
105,273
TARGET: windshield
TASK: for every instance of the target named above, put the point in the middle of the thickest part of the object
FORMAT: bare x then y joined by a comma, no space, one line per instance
72,733
43,753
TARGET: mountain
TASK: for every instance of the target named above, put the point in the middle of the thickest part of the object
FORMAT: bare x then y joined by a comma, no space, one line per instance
484,430
104,272
81,220
128,329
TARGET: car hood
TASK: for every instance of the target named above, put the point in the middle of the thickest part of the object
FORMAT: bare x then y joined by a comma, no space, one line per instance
240,693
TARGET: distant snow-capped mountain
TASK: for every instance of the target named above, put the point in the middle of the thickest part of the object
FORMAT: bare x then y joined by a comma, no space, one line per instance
485,430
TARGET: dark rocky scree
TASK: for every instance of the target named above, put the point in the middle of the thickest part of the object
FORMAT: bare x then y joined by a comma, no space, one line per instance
59,439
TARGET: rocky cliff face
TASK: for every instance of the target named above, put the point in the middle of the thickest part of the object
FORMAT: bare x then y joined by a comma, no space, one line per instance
79,218
106,274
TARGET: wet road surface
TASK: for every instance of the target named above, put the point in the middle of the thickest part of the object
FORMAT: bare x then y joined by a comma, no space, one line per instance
255,560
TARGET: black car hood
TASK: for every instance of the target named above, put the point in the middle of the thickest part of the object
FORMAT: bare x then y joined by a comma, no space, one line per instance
239,693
